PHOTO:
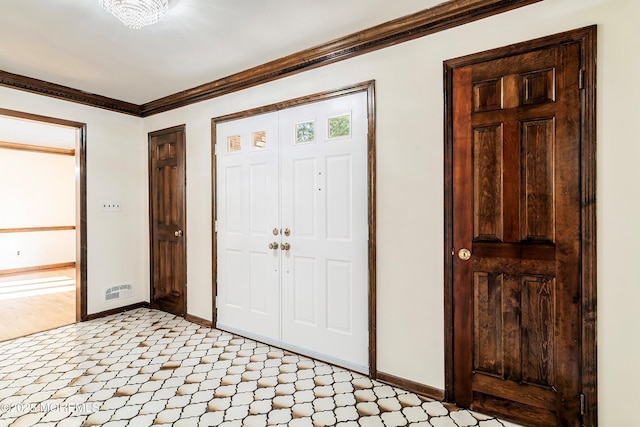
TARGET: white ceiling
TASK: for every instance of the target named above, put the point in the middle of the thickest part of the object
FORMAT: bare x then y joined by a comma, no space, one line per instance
76,43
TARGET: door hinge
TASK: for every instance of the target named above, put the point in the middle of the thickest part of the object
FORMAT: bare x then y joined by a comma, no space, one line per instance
215,226
581,79
582,408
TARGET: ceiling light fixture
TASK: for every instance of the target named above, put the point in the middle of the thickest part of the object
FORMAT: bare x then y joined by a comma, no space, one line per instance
136,13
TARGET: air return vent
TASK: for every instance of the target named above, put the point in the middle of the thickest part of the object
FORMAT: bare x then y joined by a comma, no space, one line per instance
118,292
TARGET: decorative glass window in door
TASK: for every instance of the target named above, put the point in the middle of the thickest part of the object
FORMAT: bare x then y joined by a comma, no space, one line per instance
339,126
233,144
305,132
259,140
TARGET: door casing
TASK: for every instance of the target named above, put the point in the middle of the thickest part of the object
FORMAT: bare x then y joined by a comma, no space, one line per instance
586,39
369,88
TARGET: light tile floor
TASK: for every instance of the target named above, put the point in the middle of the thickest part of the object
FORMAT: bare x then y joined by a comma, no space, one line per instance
146,367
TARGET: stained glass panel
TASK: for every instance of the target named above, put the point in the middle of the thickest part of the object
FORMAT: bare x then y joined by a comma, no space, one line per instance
339,126
305,132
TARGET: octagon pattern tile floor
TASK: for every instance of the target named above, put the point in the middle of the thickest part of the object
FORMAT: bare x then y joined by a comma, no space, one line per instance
146,367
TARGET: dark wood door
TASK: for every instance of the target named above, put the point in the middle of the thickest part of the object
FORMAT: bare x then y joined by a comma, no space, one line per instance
168,232
516,210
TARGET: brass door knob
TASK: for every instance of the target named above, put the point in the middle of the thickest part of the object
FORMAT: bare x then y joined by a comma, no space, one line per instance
287,232
178,233
464,254
275,231
273,245
285,246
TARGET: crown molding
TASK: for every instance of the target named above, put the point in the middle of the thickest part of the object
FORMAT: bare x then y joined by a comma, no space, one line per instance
53,90
438,18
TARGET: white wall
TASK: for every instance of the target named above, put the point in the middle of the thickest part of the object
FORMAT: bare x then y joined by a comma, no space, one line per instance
116,157
409,100
37,190
33,249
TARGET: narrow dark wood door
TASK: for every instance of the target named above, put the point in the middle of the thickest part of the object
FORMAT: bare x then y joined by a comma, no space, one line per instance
167,205
516,235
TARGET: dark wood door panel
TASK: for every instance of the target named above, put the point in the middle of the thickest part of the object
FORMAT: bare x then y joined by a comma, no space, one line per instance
537,187
516,65
531,250
523,413
516,207
535,397
167,196
488,168
522,112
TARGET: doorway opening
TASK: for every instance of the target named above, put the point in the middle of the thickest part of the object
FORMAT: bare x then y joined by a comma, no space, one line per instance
43,230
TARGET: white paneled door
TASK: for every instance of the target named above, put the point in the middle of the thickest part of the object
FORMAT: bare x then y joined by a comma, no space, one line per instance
307,182
248,208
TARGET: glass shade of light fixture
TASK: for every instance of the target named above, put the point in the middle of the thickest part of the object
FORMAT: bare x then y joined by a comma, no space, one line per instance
136,13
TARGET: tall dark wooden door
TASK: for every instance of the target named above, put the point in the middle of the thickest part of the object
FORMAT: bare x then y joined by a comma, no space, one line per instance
168,215
516,236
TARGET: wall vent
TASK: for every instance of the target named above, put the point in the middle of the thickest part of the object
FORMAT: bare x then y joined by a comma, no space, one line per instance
118,292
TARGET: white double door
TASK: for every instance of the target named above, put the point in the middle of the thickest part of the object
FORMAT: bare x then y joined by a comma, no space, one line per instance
292,224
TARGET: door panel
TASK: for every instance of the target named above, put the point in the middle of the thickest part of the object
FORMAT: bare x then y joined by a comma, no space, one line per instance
303,291
487,170
339,191
235,269
325,206
304,197
248,210
538,195
516,197
339,290
167,196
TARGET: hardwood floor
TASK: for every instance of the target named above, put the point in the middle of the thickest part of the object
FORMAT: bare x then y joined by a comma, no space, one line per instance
34,302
